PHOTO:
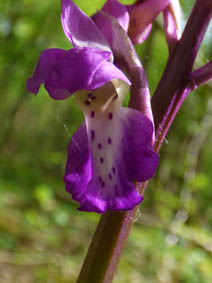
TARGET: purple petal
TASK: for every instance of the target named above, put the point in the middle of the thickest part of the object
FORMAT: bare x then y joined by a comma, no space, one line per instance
142,15
75,70
44,67
80,29
118,11
139,156
78,166
105,73
97,201
81,68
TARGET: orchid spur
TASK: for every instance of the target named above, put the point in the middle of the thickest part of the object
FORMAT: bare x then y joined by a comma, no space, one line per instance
113,147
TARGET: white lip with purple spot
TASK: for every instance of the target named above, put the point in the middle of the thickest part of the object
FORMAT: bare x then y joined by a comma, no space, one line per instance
102,110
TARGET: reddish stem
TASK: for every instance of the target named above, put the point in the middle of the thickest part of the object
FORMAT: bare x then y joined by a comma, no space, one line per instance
173,87
201,76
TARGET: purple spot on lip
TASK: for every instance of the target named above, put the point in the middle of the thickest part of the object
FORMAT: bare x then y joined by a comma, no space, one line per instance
92,135
92,114
99,145
115,97
114,170
90,94
109,140
101,181
93,97
110,116
110,176
101,159
87,102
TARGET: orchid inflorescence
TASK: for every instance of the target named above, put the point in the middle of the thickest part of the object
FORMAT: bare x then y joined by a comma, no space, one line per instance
113,148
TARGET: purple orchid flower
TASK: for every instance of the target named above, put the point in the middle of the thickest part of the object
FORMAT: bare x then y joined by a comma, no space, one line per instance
137,19
112,148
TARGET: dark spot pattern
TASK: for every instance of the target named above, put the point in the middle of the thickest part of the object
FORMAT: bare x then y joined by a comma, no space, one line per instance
109,140
115,97
110,176
101,159
114,170
99,145
110,116
92,135
115,188
101,182
90,97
92,114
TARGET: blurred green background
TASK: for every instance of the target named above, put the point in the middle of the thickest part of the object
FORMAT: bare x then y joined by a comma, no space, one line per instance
43,238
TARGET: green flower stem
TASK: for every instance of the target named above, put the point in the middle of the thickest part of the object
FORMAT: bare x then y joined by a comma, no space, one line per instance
114,227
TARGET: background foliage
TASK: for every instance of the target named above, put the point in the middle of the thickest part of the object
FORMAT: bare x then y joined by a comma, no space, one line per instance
43,238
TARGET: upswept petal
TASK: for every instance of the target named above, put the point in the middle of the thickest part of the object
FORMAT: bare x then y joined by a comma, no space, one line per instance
80,29
118,11
48,59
